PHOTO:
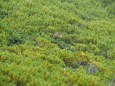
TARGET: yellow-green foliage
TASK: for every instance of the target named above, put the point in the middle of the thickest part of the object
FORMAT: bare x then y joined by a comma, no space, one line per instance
30,56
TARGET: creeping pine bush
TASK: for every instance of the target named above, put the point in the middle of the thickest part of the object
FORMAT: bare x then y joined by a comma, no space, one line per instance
31,56
15,38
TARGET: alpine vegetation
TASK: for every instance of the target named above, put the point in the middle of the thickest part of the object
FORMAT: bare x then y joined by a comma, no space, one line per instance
57,43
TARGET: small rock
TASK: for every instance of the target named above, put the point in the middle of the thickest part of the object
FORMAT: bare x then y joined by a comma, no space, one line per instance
92,69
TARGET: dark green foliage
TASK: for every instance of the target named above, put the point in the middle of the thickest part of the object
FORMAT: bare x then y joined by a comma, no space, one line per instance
107,2
3,14
15,38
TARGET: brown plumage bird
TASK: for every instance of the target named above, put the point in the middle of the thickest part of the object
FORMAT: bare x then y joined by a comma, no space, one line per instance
57,35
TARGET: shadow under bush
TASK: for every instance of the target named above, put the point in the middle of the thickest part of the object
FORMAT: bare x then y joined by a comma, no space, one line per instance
15,38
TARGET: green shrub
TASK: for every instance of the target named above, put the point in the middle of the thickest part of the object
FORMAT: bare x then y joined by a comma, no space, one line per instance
30,56
15,38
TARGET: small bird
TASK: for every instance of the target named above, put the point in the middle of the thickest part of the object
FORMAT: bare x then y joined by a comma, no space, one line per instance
57,35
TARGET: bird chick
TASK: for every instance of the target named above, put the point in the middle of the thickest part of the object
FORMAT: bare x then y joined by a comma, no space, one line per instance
57,35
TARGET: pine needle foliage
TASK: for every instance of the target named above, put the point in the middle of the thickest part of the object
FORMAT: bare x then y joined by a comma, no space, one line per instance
83,56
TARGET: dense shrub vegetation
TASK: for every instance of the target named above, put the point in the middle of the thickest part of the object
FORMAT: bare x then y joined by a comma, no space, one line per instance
30,56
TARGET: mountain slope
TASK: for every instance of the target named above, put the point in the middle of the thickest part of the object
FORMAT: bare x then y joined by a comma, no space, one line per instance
30,56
